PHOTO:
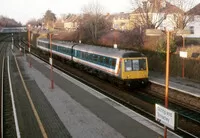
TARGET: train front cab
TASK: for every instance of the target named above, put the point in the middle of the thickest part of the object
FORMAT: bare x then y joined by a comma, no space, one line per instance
134,71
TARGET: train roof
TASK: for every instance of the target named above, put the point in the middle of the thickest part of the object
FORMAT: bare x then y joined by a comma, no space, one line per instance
107,51
114,52
63,43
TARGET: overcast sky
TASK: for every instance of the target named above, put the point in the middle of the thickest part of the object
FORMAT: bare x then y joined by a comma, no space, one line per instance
24,10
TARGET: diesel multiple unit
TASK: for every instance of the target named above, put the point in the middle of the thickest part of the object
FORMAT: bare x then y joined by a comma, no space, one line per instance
123,66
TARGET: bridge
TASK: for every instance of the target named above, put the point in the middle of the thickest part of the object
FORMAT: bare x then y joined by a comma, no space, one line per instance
13,29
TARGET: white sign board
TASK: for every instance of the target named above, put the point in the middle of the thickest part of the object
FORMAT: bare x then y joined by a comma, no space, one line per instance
20,49
115,45
165,116
29,49
50,61
183,54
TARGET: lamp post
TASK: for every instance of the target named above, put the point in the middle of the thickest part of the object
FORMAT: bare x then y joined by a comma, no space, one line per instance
183,62
183,33
155,32
29,45
51,61
114,37
167,76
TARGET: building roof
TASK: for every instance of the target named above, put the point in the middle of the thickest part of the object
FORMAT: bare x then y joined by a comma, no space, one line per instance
160,7
118,16
72,18
121,15
171,9
195,10
59,25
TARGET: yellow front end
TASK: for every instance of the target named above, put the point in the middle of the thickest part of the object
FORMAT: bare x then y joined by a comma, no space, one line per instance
134,68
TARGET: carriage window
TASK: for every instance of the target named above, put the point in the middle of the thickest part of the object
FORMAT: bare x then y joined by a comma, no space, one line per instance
135,64
54,47
106,61
142,64
86,56
95,58
78,54
113,63
128,65
83,55
101,59
89,57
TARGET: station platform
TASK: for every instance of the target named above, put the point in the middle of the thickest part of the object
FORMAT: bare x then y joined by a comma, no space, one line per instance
177,83
85,112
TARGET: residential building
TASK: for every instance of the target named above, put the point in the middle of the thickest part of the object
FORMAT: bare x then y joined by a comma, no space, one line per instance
121,21
71,23
59,24
194,24
158,14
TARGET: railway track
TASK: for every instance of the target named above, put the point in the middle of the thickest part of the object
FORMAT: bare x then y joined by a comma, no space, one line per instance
24,126
7,118
140,101
1,76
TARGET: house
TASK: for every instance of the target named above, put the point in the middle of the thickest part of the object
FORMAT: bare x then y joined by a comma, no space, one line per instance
59,25
158,14
121,21
71,23
194,24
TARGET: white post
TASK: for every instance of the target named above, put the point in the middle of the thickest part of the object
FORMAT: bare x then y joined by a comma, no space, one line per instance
12,43
115,45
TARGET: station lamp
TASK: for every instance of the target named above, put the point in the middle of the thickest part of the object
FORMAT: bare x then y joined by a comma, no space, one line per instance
156,32
183,33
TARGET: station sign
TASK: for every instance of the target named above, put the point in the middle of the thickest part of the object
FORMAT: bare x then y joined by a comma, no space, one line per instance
165,116
183,54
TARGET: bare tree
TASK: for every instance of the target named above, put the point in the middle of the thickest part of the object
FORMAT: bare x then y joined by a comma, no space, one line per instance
183,18
93,22
147,13
152,13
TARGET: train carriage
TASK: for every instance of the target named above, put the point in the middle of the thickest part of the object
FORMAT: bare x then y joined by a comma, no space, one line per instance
63,49
95,57
125,65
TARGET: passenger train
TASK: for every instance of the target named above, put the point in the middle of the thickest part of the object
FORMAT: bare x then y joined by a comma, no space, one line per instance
122,66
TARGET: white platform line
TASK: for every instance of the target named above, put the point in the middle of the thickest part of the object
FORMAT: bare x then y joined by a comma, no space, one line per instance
13,102
2,97
177,89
